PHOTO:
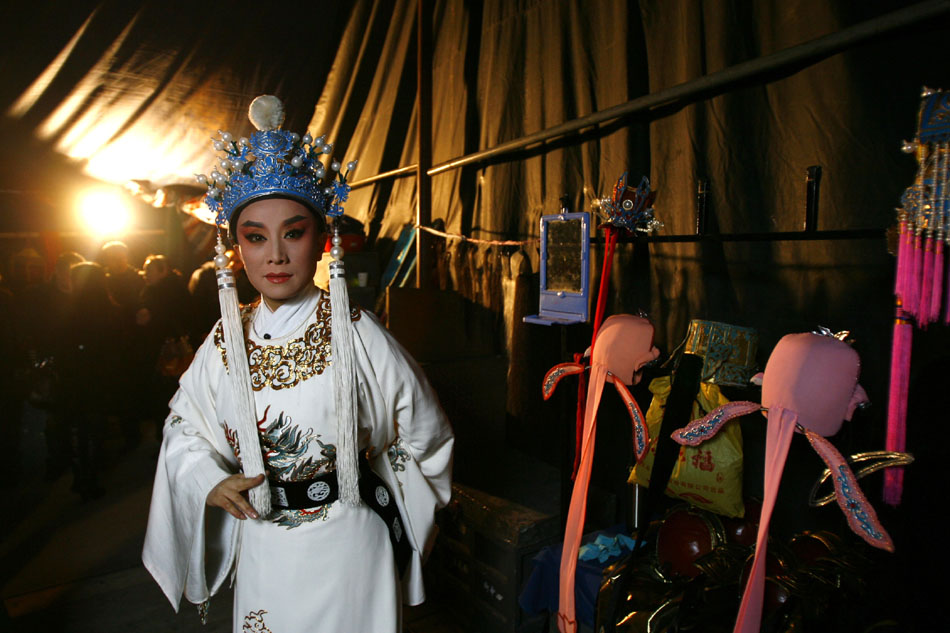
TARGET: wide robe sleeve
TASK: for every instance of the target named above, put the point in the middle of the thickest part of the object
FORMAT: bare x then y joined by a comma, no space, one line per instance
411,439
186,542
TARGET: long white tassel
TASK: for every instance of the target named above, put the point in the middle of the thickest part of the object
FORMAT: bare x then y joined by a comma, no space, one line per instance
239,375
344,379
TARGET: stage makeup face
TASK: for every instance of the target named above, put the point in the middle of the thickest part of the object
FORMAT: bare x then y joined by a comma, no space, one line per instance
279,241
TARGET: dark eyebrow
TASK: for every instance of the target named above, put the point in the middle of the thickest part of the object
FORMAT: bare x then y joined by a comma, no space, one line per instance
258,225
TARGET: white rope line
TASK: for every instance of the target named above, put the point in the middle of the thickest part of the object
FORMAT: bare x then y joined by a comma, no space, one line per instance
474,240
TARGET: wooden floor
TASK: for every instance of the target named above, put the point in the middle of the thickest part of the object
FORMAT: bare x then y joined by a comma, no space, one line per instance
75,567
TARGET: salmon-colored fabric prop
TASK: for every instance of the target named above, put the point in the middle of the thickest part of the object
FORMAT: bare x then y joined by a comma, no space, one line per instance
811,385
623,346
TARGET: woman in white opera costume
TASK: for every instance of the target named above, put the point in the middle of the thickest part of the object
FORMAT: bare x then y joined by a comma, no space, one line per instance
305,454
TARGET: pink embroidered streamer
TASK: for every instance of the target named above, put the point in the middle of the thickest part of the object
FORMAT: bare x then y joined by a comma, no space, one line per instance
698,431
640,430
555,374
861,516
897,403
936,298
777,440
926,283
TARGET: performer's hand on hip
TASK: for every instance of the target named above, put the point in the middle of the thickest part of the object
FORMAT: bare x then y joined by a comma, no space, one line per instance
229,494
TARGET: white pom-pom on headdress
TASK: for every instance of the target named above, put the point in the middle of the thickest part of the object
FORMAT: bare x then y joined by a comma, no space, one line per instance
266,112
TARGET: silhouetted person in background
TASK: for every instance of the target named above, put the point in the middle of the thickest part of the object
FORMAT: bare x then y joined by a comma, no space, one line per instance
164,323
46,323
10,399
123,281
89,372
125,284
203,287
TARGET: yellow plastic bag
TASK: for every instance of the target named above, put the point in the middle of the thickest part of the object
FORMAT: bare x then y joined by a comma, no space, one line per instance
708,476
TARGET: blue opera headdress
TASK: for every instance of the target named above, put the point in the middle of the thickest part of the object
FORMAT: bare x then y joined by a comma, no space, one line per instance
274,163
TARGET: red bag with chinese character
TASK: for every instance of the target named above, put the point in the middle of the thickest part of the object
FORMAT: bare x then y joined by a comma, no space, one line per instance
707,476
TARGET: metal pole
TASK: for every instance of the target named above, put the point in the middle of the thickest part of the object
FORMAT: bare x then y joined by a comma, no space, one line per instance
812,187
774,236
424,134
702,196
408,170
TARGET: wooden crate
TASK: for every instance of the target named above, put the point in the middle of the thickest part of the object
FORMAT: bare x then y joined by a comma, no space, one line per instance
483,557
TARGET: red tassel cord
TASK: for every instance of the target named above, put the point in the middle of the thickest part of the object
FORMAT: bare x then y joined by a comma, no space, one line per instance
897,403
610,243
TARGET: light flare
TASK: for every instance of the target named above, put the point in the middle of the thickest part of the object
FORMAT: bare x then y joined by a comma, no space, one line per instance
104,213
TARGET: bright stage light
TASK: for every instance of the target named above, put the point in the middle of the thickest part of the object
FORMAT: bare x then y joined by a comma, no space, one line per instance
104,213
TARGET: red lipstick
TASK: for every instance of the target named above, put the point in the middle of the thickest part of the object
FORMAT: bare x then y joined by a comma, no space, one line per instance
277,278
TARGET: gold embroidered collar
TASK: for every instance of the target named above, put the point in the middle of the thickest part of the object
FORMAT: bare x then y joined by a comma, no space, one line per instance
283,366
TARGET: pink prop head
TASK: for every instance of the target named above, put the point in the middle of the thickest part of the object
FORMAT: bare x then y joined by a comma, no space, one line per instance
624,345
817,377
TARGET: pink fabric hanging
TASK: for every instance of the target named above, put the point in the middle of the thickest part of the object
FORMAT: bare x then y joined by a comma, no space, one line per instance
577,513
777,441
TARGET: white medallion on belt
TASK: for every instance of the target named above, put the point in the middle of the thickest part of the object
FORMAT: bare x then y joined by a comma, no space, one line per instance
318,491
382,496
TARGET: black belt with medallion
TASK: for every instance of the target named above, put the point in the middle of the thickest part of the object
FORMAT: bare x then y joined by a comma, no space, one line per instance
323,489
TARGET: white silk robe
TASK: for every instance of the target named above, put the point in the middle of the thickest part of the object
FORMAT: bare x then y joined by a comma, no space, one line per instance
328,569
